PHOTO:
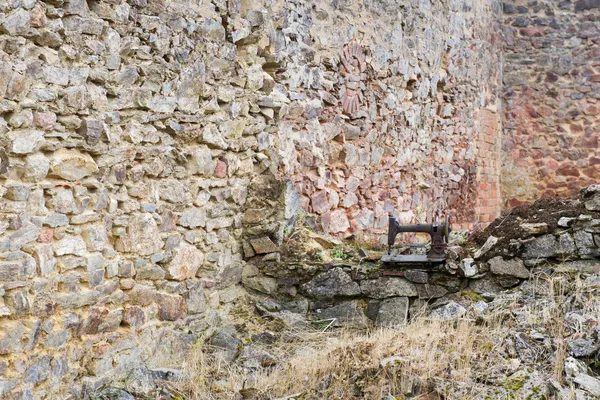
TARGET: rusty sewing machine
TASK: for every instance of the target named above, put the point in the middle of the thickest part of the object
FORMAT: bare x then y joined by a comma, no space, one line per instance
439,233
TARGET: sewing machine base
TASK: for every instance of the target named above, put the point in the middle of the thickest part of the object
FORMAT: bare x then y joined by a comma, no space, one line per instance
411,259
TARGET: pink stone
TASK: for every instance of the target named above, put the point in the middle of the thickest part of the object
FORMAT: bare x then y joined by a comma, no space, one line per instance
320,203
37,16
46,235
44,120
339,221
221,169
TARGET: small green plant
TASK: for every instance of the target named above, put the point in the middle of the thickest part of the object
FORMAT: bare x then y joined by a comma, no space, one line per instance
339,253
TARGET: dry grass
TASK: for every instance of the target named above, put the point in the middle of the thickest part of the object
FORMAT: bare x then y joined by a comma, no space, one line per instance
344,364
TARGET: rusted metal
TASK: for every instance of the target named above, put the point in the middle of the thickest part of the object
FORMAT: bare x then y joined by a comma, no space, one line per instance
439,234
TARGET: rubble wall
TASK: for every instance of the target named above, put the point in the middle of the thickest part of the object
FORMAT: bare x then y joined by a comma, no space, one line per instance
551,237
423,139
551,90
148,147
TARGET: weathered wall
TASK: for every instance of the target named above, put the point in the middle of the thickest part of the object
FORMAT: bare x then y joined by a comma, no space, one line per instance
424,140
147,147
551,90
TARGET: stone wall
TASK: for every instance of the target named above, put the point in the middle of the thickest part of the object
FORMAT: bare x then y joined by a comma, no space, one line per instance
547,238
424,133
148,147
551,90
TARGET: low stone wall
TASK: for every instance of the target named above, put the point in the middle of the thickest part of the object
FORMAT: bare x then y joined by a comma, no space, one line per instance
362,292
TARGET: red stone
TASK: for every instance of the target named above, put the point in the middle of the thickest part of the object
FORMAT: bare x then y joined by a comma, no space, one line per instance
221,169
515,202
568,170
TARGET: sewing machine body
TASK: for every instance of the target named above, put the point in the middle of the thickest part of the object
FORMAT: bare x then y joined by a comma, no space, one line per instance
439,234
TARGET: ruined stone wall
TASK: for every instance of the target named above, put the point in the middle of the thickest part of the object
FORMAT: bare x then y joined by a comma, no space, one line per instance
423,138
551,90
147,147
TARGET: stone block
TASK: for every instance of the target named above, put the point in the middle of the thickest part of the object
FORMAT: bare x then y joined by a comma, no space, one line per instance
185,263
170,307
511,267
388,287
263,245
393,312
331,284
348,313
72,165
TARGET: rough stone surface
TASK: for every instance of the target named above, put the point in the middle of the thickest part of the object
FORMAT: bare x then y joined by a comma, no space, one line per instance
393,312
388,287
449,311
348,313
330,284
550,146
512,267
541,247
136,137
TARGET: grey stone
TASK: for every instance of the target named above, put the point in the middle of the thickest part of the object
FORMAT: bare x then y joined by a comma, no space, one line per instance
416,276
78,300
510,267
142,238
584,242
112,394
91,130
70,245
542,247
565,222
581,347
449,311
485,286
388,287
224,339
27,141
26,234
588,383
150,272
56,219
201,162
253,357
330,284
393,312
254,280
7,385
39,371
193,217
593,204
348,313
566,245
532,229
36,167
431,291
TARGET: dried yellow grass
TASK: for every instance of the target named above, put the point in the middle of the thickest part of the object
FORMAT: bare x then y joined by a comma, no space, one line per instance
346,363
